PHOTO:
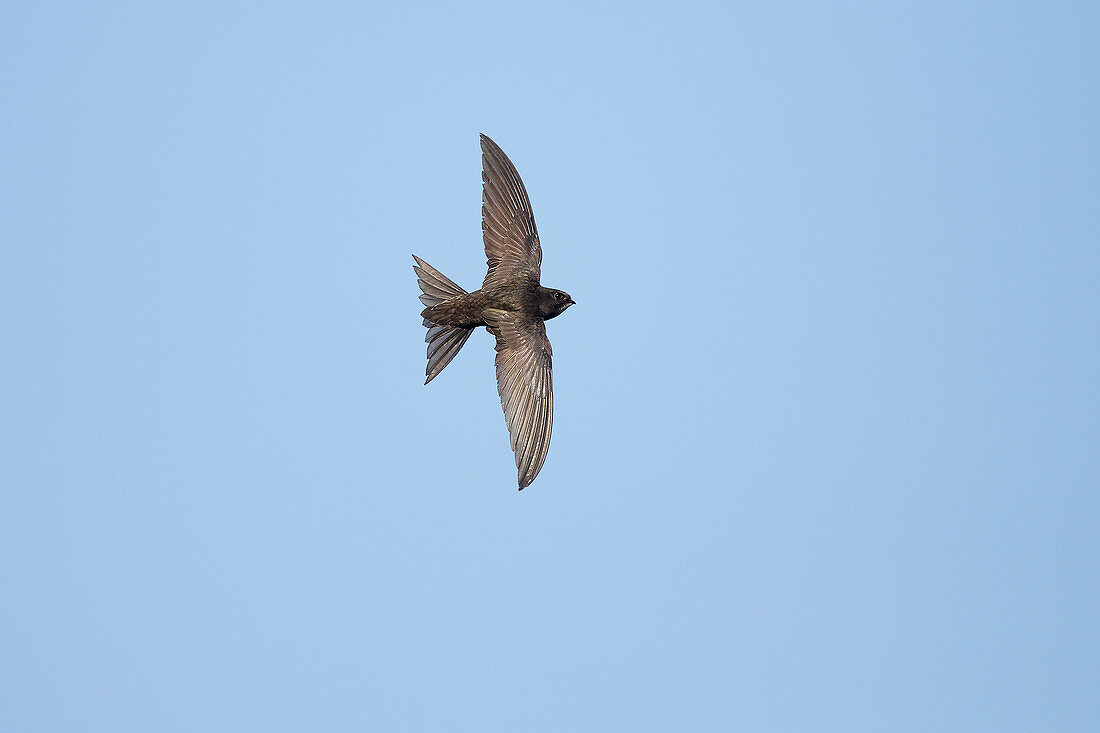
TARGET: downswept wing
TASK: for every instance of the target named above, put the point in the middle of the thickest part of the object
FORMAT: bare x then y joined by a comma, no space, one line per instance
526,388
507,223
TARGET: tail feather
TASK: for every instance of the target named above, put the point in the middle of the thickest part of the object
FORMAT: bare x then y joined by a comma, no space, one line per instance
444,342
435,286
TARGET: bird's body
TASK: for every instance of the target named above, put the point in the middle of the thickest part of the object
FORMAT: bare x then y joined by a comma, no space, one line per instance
469,310
511,304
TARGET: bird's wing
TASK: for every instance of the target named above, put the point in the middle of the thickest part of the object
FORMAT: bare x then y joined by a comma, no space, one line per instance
507,223
526,388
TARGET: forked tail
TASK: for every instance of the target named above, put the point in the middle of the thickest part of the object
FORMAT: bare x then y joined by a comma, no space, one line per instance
443,341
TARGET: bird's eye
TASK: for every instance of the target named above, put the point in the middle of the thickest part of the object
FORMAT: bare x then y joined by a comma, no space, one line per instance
559,296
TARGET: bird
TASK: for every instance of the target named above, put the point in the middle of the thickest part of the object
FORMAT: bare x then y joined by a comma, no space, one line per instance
512,305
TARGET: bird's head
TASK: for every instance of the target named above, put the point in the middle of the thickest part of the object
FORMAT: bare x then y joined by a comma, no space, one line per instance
553,302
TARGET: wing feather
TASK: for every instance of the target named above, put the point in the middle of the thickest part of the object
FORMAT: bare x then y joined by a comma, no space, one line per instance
525,383
507,222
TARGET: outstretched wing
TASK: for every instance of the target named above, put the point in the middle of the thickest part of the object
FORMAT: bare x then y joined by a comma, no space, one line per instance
526,388
507,223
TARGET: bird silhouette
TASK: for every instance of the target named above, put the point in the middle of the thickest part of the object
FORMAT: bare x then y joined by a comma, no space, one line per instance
511,304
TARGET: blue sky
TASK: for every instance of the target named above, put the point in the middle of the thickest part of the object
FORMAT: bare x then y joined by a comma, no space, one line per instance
827,417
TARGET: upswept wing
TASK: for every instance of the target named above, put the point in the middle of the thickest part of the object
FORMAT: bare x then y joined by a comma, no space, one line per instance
507,223
526,388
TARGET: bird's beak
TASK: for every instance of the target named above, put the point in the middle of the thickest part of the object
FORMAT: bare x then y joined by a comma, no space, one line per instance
571,302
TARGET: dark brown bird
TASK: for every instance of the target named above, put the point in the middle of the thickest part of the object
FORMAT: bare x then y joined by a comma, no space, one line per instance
512,305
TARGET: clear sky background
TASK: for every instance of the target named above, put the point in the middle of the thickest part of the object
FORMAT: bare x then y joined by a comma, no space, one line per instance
827,431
